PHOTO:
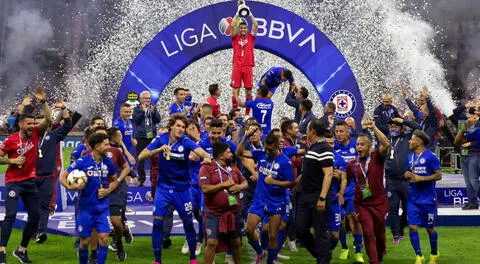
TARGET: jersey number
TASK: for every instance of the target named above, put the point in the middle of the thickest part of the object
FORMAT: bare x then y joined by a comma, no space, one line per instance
264,113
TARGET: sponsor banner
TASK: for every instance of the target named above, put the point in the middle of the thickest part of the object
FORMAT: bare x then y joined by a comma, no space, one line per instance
140,196
452,196
280,32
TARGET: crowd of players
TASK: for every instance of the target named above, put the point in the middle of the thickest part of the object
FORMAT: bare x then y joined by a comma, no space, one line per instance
238,175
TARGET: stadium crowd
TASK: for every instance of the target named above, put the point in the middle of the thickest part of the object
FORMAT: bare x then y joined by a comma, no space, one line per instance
240,175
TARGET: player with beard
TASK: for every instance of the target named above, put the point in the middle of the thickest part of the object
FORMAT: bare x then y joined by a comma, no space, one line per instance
346,147
275,174
243,45
93,203
424,171
370,199
173,184
221,183
21,148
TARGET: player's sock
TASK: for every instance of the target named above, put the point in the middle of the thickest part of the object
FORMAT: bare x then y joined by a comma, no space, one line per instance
256,246
264,240
272,255
248,98
343,239
358,241
83,255
93,253
102,254
191,237
234,103
434,242
415,240
281,238
199,219
157,238
333,242
117,237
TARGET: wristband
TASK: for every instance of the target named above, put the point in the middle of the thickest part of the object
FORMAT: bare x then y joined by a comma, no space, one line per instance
119,180
321,199
43,101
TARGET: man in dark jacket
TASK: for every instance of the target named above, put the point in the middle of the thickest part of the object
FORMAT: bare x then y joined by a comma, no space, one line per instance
145,119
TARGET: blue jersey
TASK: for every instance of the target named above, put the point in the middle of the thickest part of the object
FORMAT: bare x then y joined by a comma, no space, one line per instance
289,151
194,170
180,109
207,145
348,153
262,109
279,168
126,128
77,152
174,173
338,164
424,164
274,78
97,174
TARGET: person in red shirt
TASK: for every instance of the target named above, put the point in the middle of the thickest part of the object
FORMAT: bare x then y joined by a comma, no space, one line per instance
221,183
243,44
370,199
21,148
214,90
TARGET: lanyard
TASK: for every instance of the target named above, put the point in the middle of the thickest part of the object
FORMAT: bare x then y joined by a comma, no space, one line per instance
220,169
269,171
414,163
101,170
396,142
43,139
364,172
147,116
171,144
181,108
255,148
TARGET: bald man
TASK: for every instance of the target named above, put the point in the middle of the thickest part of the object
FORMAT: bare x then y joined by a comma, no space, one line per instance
384,113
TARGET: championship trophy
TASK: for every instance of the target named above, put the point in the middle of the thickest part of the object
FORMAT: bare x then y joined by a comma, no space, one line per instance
243,10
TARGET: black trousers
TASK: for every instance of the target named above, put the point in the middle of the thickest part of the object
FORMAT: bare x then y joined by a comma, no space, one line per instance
27,190
397,191
45,190
307,216
142,143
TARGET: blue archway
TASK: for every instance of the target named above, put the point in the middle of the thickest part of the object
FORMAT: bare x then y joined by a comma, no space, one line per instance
281,32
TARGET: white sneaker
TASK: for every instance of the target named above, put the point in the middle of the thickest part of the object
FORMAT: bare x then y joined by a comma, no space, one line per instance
229,259
198,250
280,255
292,246
185,248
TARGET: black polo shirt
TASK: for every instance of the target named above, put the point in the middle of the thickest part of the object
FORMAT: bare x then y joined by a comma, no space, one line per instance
319,156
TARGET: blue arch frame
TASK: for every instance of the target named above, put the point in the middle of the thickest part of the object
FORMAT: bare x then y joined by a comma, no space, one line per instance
281,33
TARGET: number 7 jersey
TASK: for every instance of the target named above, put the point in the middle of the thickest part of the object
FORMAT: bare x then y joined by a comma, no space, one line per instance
262,109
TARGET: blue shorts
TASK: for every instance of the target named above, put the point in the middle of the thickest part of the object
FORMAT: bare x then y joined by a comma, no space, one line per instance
267,209
334,217
197,198
87,221
348,207
271,89
285,216
424,215
181,200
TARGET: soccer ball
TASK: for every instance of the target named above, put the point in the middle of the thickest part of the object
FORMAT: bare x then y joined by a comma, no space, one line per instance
77,176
